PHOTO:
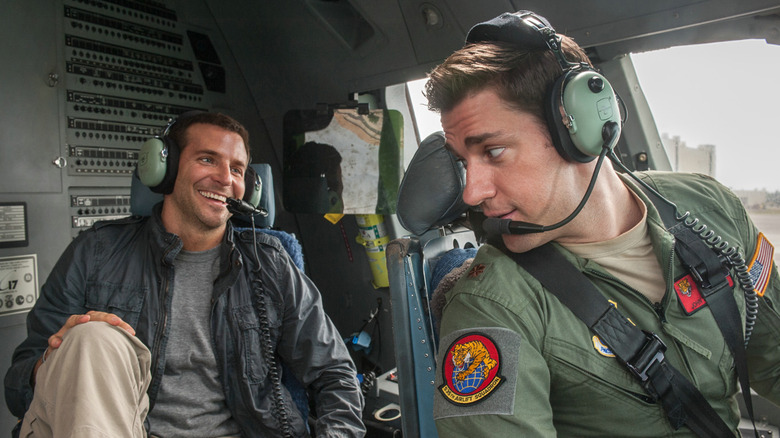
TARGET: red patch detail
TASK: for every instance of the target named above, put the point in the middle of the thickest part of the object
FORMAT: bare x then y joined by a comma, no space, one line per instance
470,369
689,294
476,271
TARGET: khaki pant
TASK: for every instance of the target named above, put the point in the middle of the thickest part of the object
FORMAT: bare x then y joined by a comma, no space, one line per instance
93,385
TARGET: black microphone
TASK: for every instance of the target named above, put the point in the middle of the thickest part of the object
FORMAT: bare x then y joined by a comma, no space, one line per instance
243,208
495,226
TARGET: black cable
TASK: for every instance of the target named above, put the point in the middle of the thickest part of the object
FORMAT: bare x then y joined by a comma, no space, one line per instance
731,254
278,407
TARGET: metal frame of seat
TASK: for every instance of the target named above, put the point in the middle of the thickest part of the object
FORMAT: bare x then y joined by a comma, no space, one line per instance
410,263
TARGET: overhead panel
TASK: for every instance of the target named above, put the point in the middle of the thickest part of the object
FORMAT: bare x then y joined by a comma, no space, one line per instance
634,26
433,30
130,66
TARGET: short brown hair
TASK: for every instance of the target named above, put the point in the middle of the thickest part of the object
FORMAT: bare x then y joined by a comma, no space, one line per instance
178,131
521,77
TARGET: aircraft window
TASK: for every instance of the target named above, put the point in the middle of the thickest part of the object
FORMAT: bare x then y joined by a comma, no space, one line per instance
714,106
427,121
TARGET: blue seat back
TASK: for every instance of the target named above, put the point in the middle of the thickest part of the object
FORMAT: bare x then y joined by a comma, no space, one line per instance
429,201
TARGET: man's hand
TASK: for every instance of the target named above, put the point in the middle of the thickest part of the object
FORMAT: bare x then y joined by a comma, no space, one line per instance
55,340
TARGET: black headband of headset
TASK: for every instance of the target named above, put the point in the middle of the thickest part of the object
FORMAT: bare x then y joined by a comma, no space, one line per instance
524,29
515,28
580,142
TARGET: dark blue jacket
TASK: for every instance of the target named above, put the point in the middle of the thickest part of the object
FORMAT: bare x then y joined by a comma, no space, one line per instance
126,267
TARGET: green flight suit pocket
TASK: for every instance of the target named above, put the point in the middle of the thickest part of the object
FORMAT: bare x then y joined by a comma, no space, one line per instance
592,374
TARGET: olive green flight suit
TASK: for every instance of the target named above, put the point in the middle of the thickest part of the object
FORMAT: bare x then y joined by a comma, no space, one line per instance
546,374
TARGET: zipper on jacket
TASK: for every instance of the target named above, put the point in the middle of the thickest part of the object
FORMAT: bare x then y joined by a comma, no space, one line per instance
618,282
159,333
659,310
659,307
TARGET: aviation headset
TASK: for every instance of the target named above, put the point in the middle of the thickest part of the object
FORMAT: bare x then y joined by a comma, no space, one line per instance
586,97
158,164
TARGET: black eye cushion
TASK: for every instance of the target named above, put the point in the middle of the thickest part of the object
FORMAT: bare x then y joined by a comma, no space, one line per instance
431,192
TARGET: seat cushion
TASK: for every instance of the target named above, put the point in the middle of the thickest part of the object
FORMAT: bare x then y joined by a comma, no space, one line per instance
431,192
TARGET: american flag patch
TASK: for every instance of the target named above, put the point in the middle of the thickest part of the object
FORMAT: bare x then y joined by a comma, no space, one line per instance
761,265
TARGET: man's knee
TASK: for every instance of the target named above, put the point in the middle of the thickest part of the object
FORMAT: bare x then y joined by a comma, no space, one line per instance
96,379
95,333
102,340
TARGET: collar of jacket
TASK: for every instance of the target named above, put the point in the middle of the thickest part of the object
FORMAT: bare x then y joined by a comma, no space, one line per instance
171,244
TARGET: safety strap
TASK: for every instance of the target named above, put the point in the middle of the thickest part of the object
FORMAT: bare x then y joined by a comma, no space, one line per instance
640,351
710,274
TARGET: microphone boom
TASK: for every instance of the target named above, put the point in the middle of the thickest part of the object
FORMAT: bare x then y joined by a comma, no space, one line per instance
243,208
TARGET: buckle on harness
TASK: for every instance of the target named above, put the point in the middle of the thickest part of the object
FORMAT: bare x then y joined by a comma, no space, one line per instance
652,352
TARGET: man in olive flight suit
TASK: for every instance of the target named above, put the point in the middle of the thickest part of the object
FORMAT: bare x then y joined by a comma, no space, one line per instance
514,360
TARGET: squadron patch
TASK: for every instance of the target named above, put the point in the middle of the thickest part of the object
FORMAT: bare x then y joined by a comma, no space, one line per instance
761,265
471,369
689,294
477,372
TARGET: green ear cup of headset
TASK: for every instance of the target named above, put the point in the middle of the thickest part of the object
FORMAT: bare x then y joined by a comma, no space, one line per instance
589,102
152,162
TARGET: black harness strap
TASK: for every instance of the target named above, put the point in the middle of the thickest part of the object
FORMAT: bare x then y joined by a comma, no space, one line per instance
712,277
641,352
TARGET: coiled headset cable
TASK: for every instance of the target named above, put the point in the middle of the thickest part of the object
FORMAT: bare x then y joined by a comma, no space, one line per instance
730,254
279,408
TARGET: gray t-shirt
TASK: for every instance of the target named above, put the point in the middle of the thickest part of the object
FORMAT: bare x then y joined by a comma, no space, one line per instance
191,400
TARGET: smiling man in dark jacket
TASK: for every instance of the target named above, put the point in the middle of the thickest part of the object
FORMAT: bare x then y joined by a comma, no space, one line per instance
183,318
